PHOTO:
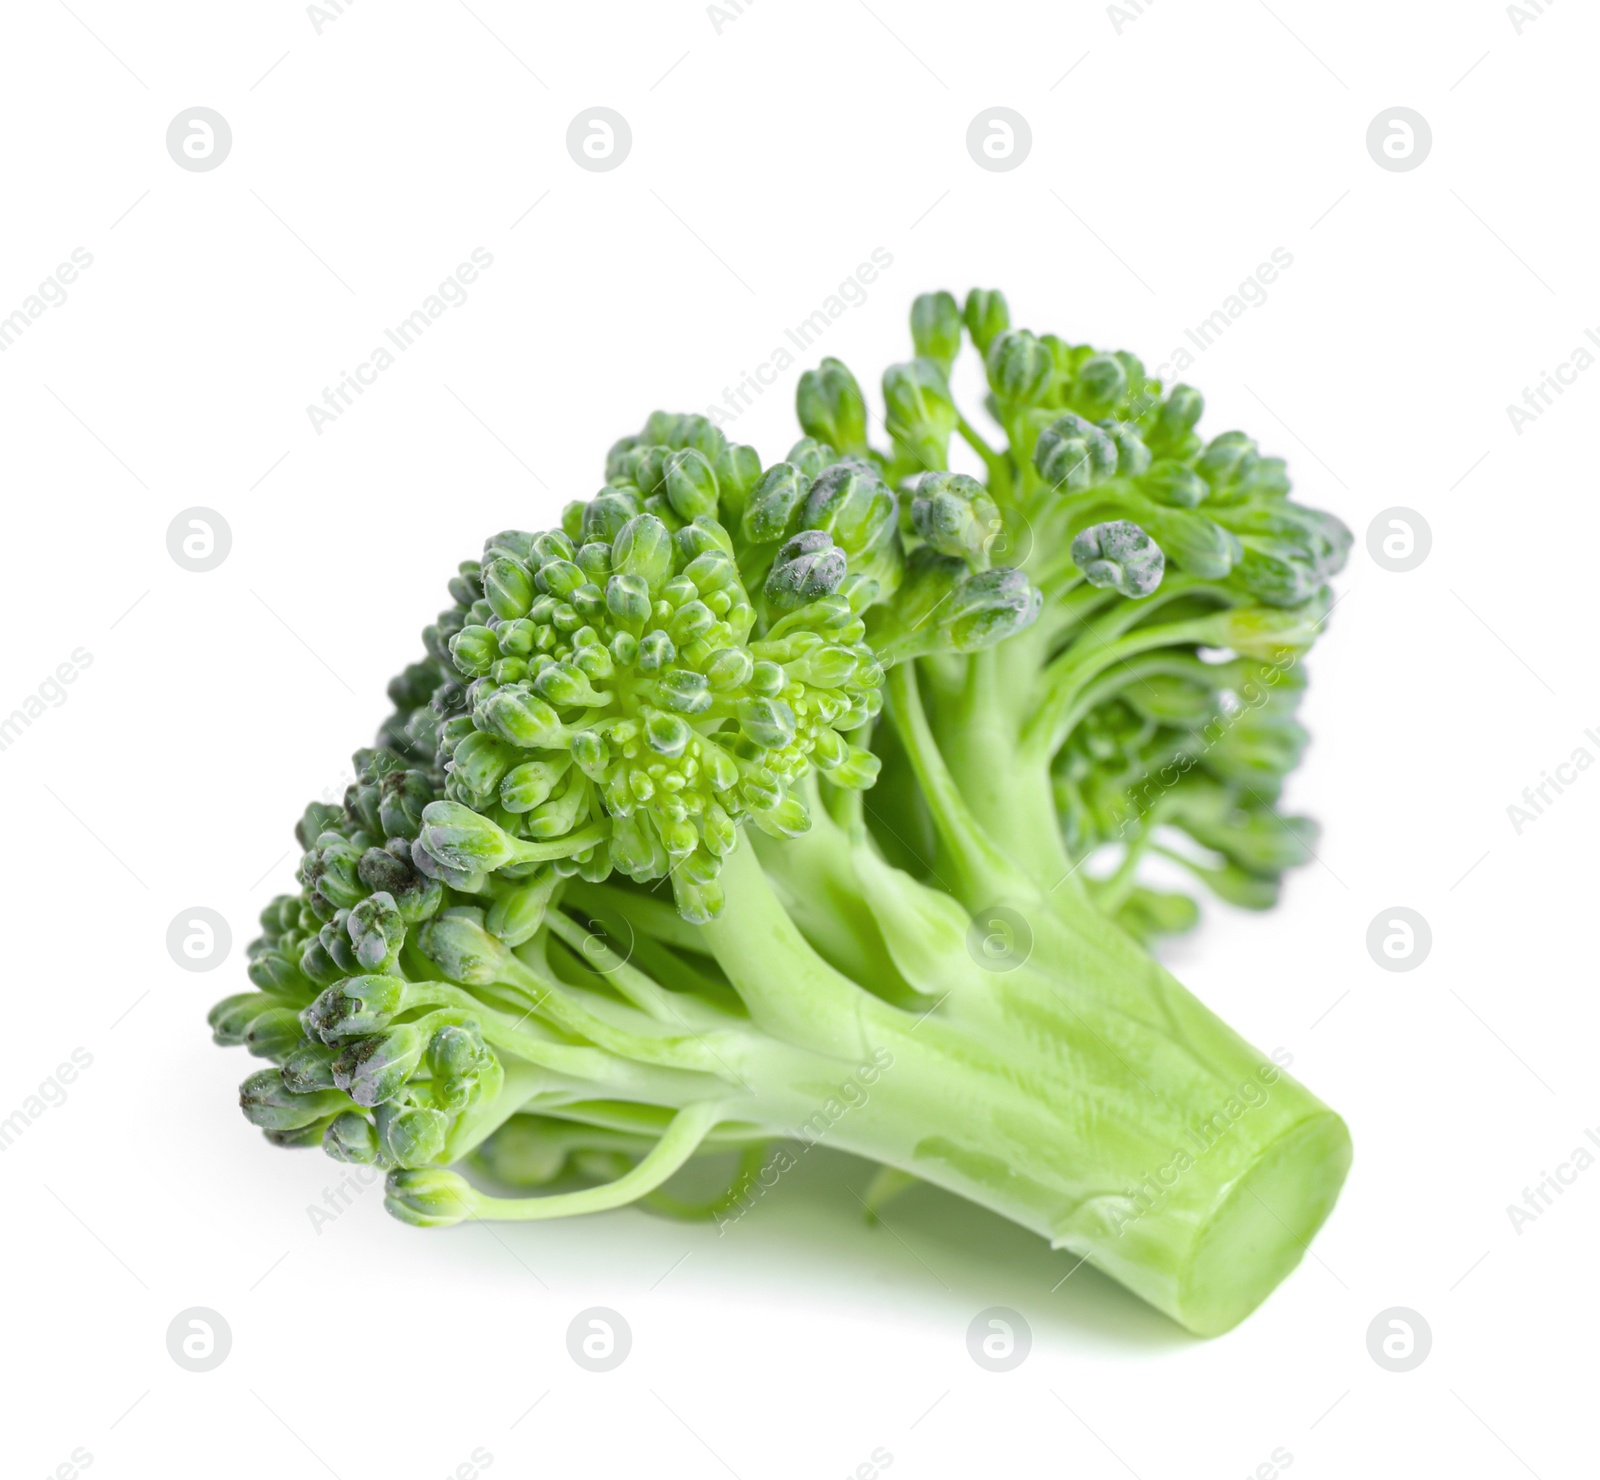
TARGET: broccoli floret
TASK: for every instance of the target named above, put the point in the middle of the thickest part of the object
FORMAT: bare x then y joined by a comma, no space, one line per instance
608,894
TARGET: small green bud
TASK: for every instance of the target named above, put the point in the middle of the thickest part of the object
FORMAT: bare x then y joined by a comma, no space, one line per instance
1021,369
412,1135
986,316
269,1104
808,566
1073,455
936,328
1174,484
811,456
737,468
853,504
1102,382
831,407
918,410
774,507
357,1005
691,484
474,651
377,931
1120,556
274,1034
351,1138
955,515
988,606
518,715
456,942
643,548
232,1016
374,1070
508,588
769,723
1179,413
461,839
516,915
429,1197
309,1067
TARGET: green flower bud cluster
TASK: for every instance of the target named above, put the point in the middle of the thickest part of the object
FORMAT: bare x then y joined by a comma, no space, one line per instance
1140,544
1201,749
614,707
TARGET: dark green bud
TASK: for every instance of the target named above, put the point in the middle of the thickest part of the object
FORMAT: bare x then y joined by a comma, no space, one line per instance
456,942
986,316
1174,484
955,515
935,328
1021,369
775,504
374,1070
351,1138
854,505
309,1067
1073,454
230,1018
1175,421
269,1104
831,407
988,606
357,1005
274,1033
1120,556
401,798
808,566
1102,382
516,915
377,932
412,1135
474,651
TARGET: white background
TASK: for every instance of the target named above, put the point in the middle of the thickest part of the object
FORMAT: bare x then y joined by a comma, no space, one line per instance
768,161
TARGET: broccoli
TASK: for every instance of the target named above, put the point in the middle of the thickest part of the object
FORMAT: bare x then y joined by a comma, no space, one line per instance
811,800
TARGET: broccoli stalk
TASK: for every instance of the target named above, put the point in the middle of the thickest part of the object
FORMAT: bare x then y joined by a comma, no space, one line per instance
751,805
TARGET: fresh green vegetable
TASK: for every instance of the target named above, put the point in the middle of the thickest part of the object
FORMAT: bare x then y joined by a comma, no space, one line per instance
771,803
